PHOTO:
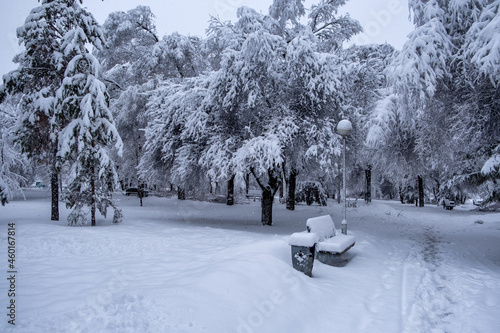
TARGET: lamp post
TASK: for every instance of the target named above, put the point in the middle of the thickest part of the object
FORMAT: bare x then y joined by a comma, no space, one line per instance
344,128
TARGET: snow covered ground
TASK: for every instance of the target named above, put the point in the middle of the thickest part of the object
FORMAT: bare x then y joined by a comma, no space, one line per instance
175,266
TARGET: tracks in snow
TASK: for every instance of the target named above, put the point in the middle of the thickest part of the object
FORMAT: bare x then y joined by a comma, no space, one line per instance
430,304
417,283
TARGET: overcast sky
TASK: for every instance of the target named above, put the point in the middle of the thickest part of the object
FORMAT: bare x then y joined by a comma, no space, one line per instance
382,20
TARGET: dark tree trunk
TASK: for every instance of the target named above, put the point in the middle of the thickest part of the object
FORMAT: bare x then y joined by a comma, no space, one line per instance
247,183
267,207
92,200
368,191
54,186
181,193
292,183
268,192
420,191
230,191
140,193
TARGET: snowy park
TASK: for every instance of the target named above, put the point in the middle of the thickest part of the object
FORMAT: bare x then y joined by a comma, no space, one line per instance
191,266
250,166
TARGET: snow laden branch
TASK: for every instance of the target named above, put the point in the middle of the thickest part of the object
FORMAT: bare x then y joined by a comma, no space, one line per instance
259,154
381,122
483,43
492,165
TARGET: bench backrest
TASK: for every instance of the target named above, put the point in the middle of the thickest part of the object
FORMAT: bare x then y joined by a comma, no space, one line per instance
322,226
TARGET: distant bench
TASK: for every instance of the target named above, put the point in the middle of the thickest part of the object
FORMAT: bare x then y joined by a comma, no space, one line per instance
254,195
320,241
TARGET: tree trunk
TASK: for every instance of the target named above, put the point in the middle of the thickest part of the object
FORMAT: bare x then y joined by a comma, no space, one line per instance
92,200
268,192
267,207
54,186
420,191
368,191
181,193
230,191
140,193
292,183
247,183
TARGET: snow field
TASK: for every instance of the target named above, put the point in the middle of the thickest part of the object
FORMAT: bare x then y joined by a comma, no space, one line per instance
185,266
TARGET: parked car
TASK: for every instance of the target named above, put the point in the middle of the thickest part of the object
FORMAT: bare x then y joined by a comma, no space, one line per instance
135,191
447,203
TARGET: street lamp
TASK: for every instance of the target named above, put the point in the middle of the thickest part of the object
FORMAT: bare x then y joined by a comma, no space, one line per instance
344,128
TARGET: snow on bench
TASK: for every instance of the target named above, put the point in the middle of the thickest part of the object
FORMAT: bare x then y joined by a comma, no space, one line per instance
322,226
336,245
303,239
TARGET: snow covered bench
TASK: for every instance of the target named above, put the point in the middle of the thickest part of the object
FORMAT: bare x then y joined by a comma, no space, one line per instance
320,241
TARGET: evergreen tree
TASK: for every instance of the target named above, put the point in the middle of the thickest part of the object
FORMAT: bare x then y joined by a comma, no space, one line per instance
48,50
86,126
38,76
86,141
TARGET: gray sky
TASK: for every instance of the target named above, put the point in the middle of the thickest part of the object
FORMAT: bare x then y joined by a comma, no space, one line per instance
382,20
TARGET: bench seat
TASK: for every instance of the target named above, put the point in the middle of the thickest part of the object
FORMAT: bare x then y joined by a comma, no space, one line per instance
336,245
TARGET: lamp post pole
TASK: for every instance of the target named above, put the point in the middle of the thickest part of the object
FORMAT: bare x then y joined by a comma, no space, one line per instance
344,128
344,192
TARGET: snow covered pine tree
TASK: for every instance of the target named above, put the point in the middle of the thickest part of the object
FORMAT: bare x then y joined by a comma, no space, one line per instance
86,140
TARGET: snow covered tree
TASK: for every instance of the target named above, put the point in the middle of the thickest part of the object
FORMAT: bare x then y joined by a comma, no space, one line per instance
331,29
87,130
364,68
129,110
137,65
445,84
176,55
130,39
271,105
41,69
86,140
170,149
37,77
13,164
